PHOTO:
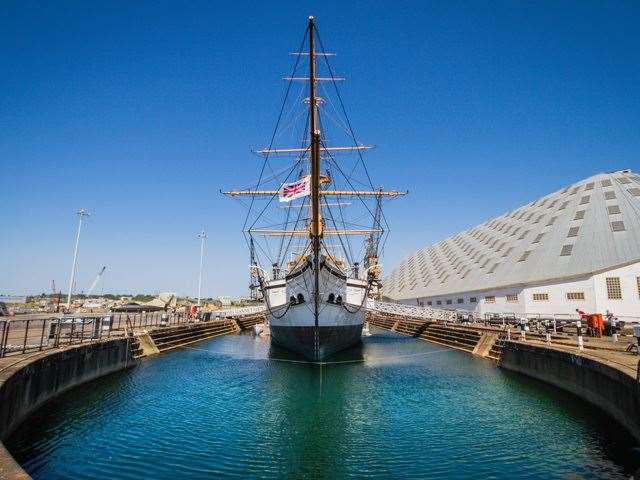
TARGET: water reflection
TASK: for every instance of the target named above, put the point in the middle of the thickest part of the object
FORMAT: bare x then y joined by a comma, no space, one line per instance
391,407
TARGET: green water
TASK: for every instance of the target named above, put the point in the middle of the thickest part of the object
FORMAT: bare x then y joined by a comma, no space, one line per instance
395,408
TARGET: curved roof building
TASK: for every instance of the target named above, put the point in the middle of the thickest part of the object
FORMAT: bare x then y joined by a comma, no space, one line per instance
559,241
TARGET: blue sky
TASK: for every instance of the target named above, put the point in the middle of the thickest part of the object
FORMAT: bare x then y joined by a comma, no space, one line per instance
141,111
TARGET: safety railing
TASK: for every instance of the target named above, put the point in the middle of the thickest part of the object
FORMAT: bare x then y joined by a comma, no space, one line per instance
564,318
410,310
30,335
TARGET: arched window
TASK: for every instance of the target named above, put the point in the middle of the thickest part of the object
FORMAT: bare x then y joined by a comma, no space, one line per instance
332,298
300,298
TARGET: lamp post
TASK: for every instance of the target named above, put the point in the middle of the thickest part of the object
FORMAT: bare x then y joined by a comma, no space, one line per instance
202,236
81,214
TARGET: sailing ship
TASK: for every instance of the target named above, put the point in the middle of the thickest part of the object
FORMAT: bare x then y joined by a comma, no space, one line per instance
313,284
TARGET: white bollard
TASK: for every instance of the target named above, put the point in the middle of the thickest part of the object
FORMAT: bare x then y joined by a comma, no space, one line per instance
509,333
579,329
548,338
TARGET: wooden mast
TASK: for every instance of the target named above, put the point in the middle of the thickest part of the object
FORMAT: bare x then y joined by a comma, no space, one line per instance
316,222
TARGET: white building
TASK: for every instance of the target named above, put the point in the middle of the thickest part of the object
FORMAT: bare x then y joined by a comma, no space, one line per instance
575,248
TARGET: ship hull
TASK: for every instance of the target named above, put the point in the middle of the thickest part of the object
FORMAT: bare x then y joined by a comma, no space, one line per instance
317,333
316,343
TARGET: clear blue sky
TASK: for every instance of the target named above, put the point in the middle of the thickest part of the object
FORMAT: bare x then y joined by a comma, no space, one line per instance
141,111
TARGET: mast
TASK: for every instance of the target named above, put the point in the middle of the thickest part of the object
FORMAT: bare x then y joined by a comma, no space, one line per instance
316,227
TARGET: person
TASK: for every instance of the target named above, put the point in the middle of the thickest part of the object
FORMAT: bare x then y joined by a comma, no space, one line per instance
588,319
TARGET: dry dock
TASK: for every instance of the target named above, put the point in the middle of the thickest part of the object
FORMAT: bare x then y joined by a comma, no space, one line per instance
603,373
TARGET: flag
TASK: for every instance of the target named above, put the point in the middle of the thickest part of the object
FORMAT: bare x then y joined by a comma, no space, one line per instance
291,191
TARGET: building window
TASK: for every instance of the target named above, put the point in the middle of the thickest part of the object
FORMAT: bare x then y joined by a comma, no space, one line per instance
618,226
475,300
564,205
429,303
460,300
584,200
635,191
512,298
439,302
614,290
538,238
589,186
579,215
551,220
606,183
490,299
609,195
566,250
540,297
575,295
507,252
524,256
613,209
573,232
449,302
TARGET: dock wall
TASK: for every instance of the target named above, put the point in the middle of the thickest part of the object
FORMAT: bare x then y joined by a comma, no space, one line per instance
30,382
609,388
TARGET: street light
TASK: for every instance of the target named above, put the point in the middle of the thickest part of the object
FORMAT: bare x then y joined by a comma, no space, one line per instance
81,214
202,236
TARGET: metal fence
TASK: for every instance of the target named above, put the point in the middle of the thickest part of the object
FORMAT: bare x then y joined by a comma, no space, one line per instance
36,334
411,310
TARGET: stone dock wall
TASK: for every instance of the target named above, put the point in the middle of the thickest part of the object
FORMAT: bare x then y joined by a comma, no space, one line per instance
605,386
27,383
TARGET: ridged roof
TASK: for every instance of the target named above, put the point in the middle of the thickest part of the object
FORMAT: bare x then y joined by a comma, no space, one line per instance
586,227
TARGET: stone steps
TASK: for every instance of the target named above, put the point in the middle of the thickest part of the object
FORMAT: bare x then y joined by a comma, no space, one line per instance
188,334
455,337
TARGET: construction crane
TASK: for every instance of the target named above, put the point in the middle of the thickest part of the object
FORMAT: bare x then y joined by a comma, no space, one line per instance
55,298
95,282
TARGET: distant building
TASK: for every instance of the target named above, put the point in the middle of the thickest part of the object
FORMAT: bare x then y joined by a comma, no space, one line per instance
225,301
575,248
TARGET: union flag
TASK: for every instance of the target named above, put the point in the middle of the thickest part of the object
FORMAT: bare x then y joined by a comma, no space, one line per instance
291,191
